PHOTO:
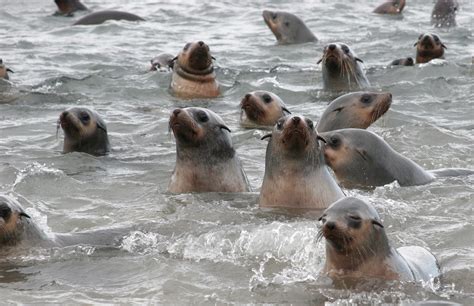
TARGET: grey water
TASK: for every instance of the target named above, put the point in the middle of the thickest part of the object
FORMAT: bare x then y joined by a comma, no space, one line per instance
220,248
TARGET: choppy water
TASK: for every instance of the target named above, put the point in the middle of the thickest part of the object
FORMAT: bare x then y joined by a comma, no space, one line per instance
219,248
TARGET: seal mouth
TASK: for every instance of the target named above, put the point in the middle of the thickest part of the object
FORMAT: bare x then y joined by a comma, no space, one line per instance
381,108
183,126
252,109
70,124
295,135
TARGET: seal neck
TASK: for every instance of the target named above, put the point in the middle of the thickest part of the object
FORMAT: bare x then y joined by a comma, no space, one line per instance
203,76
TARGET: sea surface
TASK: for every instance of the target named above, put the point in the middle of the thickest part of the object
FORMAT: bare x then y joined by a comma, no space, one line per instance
220,248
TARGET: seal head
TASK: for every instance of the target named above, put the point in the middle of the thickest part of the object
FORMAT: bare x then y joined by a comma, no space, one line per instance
162,62
261,108
428,47
392,7
288,28
68,7
408,61
84,131
355,110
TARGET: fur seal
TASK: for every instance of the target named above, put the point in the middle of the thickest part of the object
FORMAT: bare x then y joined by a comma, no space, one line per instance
342,69
428,47
357,248
407,61
354,110
288,28
261,108
206,160
162,62
360,158
68,7
444,13
193,73
102,16
392,7
84,131
4,71
295,174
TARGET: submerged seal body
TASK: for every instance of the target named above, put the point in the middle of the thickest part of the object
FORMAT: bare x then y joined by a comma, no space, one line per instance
102,16
68,7
392,7
4,71
342,69
360,158
428,47
288,28
354,110
193,73
84,131
357,247
262,108
407,61
444,13
206,160
295,174
162,62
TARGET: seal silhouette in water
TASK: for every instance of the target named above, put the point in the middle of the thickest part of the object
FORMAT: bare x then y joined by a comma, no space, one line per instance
407,61
162,62
102,16
354,110
392,7
261,108
193,73
206,160
444,13
342,69
288,28
357,248
428,47
4,71
68,7
84,131
295,174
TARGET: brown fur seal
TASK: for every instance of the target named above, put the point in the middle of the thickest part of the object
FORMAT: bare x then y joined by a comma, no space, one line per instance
162,62
342,69
102,16
4,71
357,248
360,158
391,7
193,73
444,13
206,160
68,7
407,61
84,131
428,47
295,174
261,108
354,110
288,28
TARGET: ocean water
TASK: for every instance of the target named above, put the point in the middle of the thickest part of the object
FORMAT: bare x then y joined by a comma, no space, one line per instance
219,248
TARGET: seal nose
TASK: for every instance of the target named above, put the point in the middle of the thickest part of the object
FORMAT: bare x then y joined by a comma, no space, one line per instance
332,47
201,43
390,95
63,115
330,225
296,120
176,112
426,38
247,96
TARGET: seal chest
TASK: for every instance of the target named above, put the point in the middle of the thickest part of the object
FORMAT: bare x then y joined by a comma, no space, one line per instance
205,157
295,174
193,73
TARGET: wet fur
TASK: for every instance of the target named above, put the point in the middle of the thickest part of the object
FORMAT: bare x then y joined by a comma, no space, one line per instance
288,28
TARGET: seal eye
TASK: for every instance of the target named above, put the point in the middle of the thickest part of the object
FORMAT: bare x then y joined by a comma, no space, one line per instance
274,16
84,117
202,117
266,98
310,124
436,38
334,141
186,47
345,48
366,99
287,24
355,217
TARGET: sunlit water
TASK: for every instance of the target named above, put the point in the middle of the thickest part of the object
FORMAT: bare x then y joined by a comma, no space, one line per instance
219,248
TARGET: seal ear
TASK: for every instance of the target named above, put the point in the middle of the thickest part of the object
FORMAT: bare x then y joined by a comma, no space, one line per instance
442,45
375,222
321,138
225,128
358,60
174,59
415,44
213,58
286,110
266,136
23,214
320,60
9,70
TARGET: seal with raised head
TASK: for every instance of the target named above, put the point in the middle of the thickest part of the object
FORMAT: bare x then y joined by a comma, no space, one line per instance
193,73
360,158
428,47
354,110
261,108
206,160
444,13
162,62
288,28
342,69
392,7
357,248
68,7
4,71
84,131
407,61
102,16
295,174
